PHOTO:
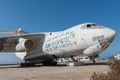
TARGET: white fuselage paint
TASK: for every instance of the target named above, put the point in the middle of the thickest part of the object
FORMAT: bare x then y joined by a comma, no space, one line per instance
74,41
78,40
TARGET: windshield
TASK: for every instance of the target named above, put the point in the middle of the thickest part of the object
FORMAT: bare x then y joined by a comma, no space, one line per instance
91,26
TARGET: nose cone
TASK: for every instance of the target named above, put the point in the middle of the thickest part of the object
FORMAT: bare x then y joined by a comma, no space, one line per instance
110,33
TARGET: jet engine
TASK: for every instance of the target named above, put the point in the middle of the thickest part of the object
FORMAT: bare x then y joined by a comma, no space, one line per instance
24,44
1,46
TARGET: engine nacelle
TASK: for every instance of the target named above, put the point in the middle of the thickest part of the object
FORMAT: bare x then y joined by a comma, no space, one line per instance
24,44
1,46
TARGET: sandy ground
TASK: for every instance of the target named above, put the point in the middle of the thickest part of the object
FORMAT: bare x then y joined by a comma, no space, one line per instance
50,73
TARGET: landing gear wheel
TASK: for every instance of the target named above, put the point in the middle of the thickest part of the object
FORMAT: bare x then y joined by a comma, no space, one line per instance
49,63
27,64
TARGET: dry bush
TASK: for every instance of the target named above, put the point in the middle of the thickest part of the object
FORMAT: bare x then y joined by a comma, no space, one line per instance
113,74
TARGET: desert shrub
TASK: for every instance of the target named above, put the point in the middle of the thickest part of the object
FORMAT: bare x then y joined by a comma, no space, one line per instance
113,74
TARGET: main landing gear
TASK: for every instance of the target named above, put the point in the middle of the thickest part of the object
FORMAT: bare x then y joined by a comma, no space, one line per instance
73,59
27,64
50,63
74,62
93,60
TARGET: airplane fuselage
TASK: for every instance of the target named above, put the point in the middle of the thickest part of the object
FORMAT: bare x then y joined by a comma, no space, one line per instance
84,39
74,41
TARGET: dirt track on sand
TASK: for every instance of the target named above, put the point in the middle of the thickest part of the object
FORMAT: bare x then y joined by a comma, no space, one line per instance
50,73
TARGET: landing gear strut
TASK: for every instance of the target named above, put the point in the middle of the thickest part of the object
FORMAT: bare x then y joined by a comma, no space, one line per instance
93,60
73,59
74,62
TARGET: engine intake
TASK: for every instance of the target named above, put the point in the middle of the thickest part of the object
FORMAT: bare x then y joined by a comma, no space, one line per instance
24,44
28,44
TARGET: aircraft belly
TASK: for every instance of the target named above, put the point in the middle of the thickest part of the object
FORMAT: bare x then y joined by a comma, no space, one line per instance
67,52
38,57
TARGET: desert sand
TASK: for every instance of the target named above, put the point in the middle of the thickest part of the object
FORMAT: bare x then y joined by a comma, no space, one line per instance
14,72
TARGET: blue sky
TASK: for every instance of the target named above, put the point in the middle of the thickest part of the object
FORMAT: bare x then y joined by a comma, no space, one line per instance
55,15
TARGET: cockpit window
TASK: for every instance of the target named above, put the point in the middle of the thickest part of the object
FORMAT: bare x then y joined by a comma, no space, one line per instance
94,24
91,26
88,25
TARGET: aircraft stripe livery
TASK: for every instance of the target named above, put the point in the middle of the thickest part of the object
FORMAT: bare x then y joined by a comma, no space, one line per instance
85,39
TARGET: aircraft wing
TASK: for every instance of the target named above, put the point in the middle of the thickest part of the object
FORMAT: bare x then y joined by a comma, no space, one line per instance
19,43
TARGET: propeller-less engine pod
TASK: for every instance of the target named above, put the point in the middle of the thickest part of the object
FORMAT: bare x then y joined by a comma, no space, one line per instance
24,44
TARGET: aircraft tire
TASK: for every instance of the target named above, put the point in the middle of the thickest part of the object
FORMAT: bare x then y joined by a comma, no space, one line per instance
49,63
27,64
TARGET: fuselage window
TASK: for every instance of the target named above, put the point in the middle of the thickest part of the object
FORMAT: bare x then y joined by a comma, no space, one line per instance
94,25
50,33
